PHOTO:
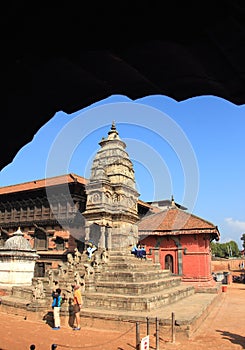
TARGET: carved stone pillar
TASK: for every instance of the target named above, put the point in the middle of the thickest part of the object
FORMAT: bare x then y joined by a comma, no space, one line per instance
109,230
87,230
102,237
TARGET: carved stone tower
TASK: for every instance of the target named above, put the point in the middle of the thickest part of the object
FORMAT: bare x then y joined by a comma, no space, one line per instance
111,209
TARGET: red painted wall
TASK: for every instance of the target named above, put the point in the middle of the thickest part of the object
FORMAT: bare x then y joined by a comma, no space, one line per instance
195,254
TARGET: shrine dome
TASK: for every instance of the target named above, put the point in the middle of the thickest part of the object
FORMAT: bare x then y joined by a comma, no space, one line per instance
17,242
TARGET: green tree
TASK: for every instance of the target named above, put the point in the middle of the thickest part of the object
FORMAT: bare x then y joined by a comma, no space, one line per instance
217,250
243,239
235,252
225,250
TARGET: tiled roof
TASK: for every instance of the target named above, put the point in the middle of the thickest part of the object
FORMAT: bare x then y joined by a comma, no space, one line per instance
36,184
174,219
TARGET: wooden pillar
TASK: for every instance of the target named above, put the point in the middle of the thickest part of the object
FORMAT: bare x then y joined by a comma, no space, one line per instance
180,262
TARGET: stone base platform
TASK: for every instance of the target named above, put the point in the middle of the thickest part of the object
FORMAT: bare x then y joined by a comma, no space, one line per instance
125,290
189,313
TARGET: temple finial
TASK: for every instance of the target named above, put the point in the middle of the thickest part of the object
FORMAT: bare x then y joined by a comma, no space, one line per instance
113,131
19,232
113,125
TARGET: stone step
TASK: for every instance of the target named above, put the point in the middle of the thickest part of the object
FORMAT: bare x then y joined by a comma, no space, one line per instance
123,252
137,288
133,276
24,293
13,302
130,265
134,302
128,257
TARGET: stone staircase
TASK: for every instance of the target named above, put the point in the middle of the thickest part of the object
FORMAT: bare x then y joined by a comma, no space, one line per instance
131,284
124,290
124,284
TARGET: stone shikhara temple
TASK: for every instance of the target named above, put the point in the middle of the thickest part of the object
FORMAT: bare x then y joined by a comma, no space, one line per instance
58,217
111,209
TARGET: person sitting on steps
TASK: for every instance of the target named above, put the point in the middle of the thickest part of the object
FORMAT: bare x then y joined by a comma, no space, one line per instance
91,249
134,250
141,252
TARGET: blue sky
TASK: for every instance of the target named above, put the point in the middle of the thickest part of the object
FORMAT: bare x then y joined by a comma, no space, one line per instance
193,150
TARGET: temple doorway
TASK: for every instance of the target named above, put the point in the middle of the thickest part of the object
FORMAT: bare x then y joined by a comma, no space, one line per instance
169,262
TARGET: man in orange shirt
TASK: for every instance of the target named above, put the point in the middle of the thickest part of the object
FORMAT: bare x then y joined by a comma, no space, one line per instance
77,304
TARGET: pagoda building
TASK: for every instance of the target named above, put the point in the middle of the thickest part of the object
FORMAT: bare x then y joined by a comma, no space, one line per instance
180,242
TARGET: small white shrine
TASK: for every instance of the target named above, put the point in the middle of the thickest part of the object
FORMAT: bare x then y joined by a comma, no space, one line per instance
17,261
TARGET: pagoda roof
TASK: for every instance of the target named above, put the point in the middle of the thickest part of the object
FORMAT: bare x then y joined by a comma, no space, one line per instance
173,220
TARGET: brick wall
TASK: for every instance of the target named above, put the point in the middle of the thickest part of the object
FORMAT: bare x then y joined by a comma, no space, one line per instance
226,264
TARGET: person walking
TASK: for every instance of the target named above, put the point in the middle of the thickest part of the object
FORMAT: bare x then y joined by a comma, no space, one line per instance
56,305
77,304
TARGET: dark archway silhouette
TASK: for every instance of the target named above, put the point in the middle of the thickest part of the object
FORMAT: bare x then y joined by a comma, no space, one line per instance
67,56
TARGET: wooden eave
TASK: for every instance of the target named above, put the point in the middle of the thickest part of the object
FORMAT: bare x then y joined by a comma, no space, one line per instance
43,183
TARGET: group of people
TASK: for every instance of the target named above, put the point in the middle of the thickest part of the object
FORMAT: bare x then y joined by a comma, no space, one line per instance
77,298
77,304
139,251
241,265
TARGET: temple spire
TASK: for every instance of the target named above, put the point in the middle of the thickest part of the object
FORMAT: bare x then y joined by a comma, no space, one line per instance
113,130
113,125
18,232
172,201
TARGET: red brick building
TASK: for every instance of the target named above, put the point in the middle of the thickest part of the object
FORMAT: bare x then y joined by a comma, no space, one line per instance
180,241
